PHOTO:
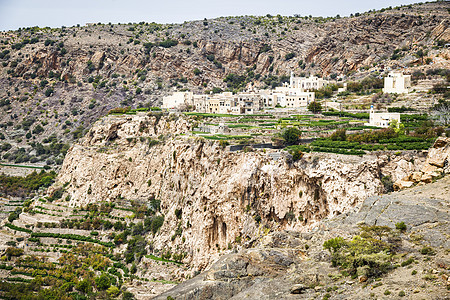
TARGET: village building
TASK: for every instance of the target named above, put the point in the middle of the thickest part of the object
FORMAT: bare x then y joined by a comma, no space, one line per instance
397,83
177,99
382,120
293,95
307,83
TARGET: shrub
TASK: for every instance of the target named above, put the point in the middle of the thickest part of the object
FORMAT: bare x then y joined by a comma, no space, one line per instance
339,135
12,251
178,213
297,155
103,281
407,262
113,291
157,222
388,184
366,254
427,251
401,226
48,92
168,43
314,106
289,56
291,135
197,72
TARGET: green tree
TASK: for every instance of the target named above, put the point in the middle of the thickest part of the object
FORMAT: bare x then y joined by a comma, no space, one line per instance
84,286
291,135
420,54
103,282
314,107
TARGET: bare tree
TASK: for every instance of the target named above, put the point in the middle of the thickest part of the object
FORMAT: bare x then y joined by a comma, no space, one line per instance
441,112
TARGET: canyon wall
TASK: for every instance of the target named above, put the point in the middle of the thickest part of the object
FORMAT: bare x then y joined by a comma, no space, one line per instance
223,196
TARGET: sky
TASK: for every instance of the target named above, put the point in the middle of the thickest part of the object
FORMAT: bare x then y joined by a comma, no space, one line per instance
16,14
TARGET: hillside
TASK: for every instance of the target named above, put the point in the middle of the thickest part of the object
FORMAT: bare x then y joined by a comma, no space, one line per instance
141,205
55,82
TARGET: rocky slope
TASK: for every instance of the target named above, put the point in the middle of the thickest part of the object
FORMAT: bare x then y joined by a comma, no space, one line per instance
59,81
213,199
291,265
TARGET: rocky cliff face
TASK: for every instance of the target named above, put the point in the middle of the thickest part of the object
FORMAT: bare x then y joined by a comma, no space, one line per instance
292,265
435,166
220,197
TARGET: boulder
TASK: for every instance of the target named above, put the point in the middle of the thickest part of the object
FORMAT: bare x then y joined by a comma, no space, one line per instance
298,289
427,178
427,168
401,184
439,153
416,176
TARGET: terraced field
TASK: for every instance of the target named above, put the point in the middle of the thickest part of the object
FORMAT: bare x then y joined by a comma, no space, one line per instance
54,250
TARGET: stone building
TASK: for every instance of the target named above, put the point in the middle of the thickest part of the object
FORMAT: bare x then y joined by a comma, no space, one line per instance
397,83
382,119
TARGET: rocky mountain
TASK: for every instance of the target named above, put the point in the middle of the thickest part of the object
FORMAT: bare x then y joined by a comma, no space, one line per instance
57,81
240,224
212,197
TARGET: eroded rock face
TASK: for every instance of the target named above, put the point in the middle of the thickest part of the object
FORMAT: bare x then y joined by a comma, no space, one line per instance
435,165
222,194
296,263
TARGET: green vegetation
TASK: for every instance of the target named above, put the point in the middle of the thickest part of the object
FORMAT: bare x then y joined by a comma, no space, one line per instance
14,227
75,237
346,114
314,107
366,86
291,135
366,254
401,226
20,186
129,111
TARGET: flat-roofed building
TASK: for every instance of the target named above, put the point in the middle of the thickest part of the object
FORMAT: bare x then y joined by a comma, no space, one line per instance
177,99
382,119
397,82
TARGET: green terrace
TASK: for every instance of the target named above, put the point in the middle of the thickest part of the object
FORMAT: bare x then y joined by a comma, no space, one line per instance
84,259
210,115
360,148
22,166
129,111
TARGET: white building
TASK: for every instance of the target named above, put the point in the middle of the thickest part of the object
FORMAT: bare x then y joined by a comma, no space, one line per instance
177,99
382,119
342,89
397,83
294,95
307,83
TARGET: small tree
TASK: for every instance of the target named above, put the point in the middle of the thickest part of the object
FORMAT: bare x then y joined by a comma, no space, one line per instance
339,135
399,128
441,111
291,135
420,54
315,107
197,71
103,282
289,56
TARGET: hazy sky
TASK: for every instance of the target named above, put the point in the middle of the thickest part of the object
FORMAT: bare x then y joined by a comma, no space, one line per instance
27,13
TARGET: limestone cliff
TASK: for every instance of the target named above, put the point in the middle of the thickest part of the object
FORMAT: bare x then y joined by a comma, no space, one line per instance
223,196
